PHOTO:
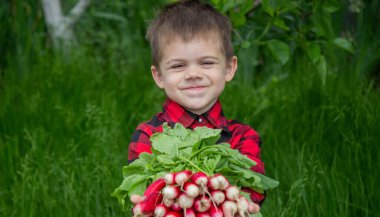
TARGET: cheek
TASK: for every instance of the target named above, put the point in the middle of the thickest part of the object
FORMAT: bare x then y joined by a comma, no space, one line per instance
173,80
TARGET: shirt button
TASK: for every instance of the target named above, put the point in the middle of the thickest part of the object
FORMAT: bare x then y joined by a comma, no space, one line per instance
200,120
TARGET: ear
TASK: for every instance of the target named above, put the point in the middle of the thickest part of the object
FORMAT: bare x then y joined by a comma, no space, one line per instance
157,76
231,69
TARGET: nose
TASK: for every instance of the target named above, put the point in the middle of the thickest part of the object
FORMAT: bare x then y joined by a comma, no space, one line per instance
193,73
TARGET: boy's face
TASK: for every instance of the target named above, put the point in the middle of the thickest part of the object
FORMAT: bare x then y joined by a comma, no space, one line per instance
194,73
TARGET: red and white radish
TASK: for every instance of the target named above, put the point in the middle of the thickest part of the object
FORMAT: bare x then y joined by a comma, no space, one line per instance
199,178
185,201
218,196
176,206
168,202
216,212
169,178
189,212
150,201
171,192
181,177
173,214
135,198
156,186
191,189
232,193
202,204
253,208
160,210
223,182
203,214
229,208
242,204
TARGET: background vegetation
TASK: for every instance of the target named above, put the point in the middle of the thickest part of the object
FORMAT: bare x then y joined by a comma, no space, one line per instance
308,82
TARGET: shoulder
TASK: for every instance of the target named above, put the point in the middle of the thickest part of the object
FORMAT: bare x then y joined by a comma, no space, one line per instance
151,126
240,128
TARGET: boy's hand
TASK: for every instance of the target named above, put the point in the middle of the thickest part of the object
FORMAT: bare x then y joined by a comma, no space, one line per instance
135,198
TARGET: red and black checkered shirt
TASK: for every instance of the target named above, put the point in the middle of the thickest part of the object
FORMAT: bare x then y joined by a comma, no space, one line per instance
240,136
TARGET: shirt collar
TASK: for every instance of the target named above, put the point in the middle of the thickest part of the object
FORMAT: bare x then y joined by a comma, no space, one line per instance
173,112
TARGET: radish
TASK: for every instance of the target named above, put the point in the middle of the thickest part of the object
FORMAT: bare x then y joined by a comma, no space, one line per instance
191,189
253,208
176,206
150,202
173,214
182,177
199,178
232,193
218,181
218,196
203,214
169,178
160,210
168,202
189,212
171,192
135,198
137,210
229,208
185,201
203,190
242,204
223,182
202,204
213,183
155,186
215,212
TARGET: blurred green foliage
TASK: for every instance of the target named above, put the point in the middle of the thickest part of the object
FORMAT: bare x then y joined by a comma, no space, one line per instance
307,82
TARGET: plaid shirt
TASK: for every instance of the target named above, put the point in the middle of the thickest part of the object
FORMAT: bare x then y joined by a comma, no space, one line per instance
239,136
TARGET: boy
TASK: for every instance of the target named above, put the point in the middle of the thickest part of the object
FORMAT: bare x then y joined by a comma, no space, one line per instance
192,61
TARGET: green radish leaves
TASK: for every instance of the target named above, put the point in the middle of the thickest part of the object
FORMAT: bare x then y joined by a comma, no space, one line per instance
176,149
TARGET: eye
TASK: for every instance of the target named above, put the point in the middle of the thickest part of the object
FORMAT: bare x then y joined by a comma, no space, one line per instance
207,63
176,66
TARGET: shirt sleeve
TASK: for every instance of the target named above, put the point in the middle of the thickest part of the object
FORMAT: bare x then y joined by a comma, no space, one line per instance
140,143
249,145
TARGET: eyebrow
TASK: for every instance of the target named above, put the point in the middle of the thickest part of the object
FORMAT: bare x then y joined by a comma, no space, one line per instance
203,57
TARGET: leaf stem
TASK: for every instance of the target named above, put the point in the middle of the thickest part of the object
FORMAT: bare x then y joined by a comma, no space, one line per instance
192,164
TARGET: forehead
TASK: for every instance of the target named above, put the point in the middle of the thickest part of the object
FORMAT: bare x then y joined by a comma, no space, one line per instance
211,38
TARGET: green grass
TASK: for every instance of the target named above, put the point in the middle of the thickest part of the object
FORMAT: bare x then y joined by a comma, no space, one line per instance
65,128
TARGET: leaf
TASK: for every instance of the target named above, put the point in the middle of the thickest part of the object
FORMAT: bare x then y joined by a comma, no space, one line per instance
237,18
267,182
178,131
166,144
344,44
280,24
136,166
138,188
313,51
268,7
130,181
331,6
212,162
165,159
279,50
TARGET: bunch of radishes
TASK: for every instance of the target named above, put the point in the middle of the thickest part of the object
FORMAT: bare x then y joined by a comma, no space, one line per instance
192,195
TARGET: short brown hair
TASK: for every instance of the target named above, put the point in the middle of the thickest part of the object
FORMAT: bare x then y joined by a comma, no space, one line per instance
188,19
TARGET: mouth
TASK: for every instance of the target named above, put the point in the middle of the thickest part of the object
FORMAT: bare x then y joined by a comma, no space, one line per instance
194,88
